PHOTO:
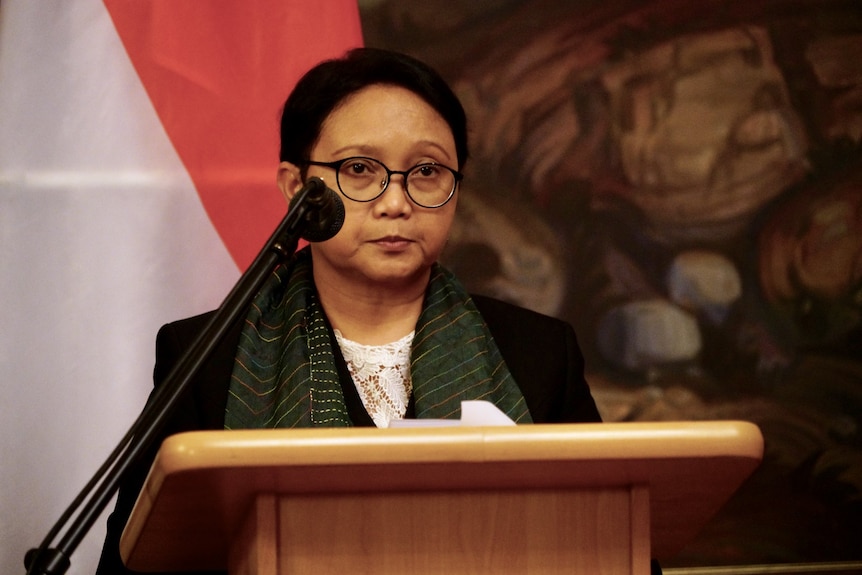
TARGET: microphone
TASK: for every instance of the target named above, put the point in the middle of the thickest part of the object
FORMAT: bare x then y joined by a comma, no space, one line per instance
316,214
324,210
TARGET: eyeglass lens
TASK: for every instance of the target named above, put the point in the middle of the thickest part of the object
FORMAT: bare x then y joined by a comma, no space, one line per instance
364,179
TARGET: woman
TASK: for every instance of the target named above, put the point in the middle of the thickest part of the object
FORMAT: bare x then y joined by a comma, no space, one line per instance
367,327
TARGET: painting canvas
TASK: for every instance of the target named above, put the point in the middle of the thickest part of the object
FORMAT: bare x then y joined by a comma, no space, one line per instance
682,181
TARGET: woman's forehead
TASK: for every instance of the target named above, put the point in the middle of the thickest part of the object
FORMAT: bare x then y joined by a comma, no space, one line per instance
380,117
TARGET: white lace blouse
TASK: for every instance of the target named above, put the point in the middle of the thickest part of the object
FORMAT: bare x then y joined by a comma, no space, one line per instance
381,374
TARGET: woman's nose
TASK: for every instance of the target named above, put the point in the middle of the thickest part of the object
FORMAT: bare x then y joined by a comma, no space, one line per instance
395,201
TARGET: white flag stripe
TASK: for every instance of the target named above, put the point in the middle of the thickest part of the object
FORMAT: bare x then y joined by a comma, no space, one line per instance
83,179
102,239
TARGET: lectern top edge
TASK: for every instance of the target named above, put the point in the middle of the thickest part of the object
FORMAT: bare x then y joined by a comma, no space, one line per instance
339,446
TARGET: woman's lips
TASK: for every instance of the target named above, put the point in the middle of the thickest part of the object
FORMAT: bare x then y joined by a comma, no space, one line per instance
392,242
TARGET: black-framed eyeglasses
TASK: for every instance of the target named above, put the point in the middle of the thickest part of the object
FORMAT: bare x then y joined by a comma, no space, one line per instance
364,179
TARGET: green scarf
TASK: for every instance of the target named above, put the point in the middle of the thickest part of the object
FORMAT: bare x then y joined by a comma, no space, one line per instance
284,371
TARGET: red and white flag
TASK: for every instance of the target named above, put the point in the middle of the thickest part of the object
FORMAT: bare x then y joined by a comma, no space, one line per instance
138,152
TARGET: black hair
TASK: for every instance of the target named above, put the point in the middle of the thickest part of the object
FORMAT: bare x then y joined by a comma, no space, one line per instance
323,88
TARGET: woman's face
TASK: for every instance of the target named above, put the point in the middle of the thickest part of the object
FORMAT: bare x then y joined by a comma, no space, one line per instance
390,241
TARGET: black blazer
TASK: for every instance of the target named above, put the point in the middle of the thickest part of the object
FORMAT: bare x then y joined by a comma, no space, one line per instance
541,352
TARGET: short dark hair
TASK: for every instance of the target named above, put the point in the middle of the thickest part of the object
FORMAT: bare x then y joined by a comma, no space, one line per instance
323,88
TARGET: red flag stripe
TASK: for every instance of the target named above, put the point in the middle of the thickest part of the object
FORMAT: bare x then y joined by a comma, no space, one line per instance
217,75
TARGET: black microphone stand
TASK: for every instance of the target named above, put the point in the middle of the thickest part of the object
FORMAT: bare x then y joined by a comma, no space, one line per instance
281,246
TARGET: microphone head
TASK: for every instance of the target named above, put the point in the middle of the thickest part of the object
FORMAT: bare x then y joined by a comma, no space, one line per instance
325,211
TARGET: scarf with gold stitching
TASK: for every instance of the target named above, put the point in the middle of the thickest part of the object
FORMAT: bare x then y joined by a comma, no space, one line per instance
284,371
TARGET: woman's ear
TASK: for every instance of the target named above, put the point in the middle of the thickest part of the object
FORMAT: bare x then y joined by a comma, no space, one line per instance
289,180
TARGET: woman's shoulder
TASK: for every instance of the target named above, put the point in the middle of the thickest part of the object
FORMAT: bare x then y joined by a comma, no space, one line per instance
543,356
189,325
177,337
519,331
502,315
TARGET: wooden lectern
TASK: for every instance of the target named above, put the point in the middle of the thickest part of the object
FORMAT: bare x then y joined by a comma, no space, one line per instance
574,498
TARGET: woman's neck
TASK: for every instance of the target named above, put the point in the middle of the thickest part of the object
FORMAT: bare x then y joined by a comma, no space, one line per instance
372,314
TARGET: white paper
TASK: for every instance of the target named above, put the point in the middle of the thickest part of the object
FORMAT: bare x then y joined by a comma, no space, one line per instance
474,413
